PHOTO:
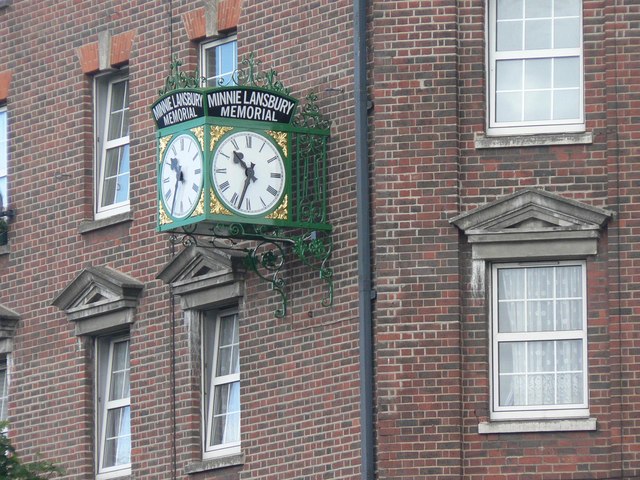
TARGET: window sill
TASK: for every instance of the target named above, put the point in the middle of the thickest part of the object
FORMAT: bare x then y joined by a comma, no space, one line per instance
532,426
4,249
216,463
93,225
483,141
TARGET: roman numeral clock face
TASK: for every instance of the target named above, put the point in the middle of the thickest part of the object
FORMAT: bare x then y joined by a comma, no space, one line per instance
248,173
181,176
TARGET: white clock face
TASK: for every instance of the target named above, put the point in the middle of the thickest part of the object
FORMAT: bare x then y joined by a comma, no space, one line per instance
248,173
181,176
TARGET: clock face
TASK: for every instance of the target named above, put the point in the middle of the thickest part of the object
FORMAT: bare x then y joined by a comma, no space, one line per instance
248,173
181,176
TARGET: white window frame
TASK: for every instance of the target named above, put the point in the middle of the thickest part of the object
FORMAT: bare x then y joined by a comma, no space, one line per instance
536,412
103,87
210,343
495,128
104,358
4,389
212,44
4,151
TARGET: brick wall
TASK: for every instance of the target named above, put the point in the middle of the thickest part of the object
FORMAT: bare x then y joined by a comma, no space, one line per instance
300,385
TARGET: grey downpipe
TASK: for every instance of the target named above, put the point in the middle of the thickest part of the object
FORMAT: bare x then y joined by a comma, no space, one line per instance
365,292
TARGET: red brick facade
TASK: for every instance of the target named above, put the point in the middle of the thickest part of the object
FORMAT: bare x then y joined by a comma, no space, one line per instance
430,162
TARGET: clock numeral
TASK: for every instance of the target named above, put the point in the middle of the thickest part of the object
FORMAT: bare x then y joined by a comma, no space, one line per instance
165,180
224,155
195,156
173,149
248,140
181,207
221,170
234,198
276,175
235,144
272,190
197,171
196,187
263,144
247,204
182,143
167,195
262,201
272,159
224,186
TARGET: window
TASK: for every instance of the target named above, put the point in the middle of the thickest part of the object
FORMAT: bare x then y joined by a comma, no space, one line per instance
112,145
4,391
221,383
219,61
114,407
539,341
535,67
4,187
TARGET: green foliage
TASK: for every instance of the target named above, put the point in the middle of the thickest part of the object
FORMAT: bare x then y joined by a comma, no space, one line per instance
12,468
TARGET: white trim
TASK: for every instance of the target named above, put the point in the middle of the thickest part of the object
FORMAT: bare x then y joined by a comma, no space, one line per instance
4,172
102,109
210,381
495,128
104,405
207,45
523,412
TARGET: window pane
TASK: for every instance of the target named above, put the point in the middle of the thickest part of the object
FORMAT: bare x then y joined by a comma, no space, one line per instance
569,282
228,353
566,8
541,389
4,199
537,106
509,9
540,282
509,36
567,33
116,176
566,104
220,63
513,390
511,317
118,113
226,414
117,448
120,372
509,75
537,73
540,357
537,34
511,283
540,316
569,313
537,8
566,72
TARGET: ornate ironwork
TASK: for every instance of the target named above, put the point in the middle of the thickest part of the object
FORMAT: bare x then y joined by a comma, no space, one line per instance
250,74
178,79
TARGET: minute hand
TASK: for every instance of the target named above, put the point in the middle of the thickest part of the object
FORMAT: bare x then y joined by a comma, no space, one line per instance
250,176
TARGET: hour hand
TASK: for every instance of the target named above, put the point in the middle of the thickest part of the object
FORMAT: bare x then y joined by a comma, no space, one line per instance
238,158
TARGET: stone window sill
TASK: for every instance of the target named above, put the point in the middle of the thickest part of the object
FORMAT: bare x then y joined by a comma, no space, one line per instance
216,463
483,141
531,426
93,225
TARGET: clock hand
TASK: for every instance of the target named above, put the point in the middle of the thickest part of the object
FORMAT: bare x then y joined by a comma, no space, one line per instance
179,178
250,176
237,158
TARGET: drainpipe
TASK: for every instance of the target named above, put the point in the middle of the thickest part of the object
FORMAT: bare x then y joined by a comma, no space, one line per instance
365,292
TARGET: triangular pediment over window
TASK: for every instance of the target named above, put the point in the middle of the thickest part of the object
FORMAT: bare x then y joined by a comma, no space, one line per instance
8,326
533,223
204,277
100,299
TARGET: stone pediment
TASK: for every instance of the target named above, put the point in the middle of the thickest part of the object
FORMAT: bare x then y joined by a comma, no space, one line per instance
102,294
204,276
529,218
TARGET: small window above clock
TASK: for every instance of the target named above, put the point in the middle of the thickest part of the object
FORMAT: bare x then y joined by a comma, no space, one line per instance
219,61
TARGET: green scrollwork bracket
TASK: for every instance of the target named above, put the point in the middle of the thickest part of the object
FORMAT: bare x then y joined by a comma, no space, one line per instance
266,260
315,250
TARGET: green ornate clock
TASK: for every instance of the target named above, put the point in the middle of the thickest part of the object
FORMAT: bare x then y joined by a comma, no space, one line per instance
248,173
242,161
